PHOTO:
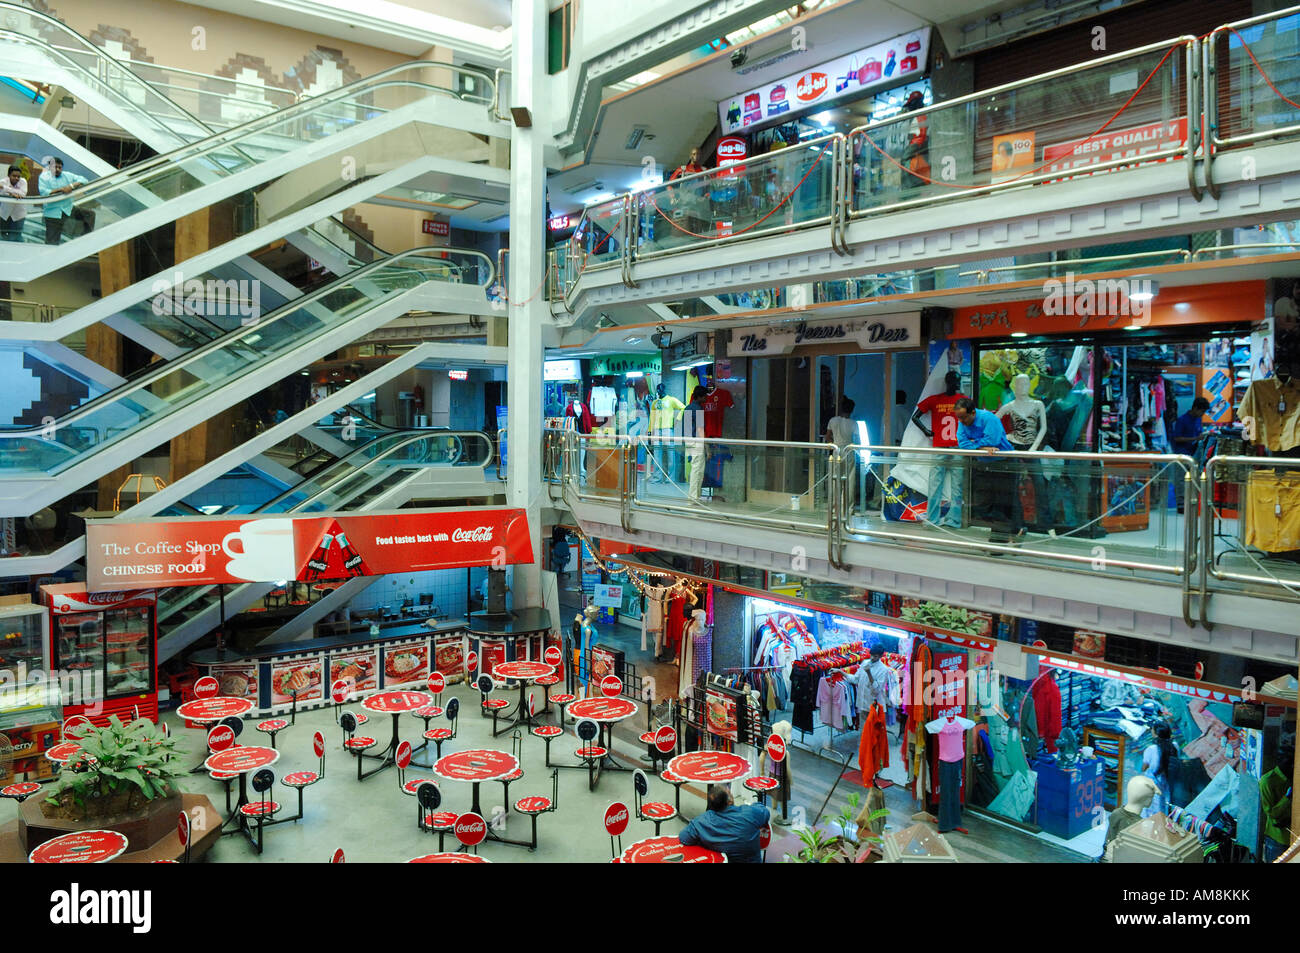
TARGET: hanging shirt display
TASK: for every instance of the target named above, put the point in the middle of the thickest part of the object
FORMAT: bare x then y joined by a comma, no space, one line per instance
1274,409
716,403
664,412
604,401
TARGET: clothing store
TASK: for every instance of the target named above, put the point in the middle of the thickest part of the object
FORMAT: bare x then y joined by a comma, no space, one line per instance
1084,371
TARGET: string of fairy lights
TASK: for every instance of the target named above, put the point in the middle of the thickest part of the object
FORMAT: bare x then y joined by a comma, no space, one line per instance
681,586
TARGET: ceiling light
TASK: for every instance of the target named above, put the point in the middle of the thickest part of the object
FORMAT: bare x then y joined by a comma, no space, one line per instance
1020,334
634,374
633,339
1146,289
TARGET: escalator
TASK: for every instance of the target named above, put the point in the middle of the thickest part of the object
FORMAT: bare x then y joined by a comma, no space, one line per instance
38,464
372,477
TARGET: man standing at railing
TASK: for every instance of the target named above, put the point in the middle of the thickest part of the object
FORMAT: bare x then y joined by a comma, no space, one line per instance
13,214
54,181
982,430
693,429
1187,434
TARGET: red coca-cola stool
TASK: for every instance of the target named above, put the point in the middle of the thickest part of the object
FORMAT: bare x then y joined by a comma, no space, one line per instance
301,780
676,780
535,805
428,713
562,701
20,791
761,787
546,681
547,733
652,753
264,808
489,706
439,735
516,749
588,753
428,798
654,811
272,727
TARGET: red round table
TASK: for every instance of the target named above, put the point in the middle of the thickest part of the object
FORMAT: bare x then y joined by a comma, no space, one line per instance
710,767
668,850
389,703
210,710
80,847
476,766
449,858
241,761
62,752
20,790
523,672
605,712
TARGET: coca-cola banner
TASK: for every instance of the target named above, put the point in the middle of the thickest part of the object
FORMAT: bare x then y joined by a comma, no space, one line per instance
201,551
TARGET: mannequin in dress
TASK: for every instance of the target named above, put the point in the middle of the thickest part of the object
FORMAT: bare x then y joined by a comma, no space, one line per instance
586,624
1028,416
686,672
1141,791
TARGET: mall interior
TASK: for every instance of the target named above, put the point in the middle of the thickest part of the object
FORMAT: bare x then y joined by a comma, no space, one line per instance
829,431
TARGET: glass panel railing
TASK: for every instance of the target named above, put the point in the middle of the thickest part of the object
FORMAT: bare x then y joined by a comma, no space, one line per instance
1252,526
1253,76
793,187
1106,513
182,382
1116,112
600,235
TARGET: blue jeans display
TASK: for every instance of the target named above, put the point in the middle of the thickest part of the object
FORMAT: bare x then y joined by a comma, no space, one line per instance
949,795
668,457
945,469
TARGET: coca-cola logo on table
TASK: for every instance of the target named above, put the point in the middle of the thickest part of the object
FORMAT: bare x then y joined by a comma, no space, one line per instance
616,818
471,829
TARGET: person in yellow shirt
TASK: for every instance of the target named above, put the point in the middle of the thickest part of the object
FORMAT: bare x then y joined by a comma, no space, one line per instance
665,411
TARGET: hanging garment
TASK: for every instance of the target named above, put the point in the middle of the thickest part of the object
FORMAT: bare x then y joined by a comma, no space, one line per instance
701,650
1047,709
949,795
873,745
803,697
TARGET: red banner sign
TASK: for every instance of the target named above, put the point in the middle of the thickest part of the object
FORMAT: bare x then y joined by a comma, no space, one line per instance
201,551
433,227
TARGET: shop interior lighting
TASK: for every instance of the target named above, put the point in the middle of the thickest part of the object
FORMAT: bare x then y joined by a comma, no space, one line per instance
872,627
1020,334
634,374
766,605
1153,290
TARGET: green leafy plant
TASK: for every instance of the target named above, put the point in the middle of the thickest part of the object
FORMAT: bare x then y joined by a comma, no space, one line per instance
822,846
118,768
941,616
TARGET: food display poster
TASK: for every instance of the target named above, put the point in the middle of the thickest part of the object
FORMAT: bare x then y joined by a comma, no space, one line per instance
304,675
449,657
720,711
236,681
359,669
404,664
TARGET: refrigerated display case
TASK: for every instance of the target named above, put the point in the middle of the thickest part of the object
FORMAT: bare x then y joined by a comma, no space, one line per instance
29,694
110,637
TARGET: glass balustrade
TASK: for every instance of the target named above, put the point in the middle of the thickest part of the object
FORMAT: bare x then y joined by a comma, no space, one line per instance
1252,526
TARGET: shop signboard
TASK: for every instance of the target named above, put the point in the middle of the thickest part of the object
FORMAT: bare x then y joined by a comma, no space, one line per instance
650,363
610,597
732,149
1208,692
432,226
950,687
200,551
302,680
565,370
888,63
360,670
875,333
616,818
1112,144
405,664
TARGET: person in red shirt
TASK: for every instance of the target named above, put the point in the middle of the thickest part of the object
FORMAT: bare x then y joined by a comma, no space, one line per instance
943,468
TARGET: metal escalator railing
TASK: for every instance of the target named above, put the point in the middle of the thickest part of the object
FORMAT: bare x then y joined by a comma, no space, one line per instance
365,474
179,383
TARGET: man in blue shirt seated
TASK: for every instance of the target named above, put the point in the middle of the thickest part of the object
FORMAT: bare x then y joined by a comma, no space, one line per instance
982,430
727,828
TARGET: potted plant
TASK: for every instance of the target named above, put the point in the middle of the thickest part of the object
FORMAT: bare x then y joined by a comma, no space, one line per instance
119,770
842,841
941,616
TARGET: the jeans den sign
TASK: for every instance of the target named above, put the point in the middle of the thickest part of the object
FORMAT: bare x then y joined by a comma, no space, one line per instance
875,333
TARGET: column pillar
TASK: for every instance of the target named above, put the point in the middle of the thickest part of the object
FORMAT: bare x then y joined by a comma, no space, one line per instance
104,346
527,312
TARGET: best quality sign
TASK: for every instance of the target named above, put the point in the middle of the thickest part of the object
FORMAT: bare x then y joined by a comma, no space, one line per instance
189,552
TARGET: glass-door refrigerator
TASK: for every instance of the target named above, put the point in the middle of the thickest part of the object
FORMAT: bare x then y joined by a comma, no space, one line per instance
107,644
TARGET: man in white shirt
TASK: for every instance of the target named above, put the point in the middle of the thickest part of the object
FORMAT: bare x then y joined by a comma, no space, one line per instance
54,181
12,214
842,430
899,417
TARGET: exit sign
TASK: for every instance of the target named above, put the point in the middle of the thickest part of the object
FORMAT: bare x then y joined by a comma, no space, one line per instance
458,375
433,227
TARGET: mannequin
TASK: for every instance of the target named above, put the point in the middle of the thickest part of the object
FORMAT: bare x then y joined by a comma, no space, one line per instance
697,651
951,730
581,413
585,623
1046,698
943,469
665,411
1028,416
1141,791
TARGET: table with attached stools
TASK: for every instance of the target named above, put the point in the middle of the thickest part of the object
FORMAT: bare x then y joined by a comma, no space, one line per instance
523,672
209,711
761,786
62,752
476,766
80,847
605,712
387,703
449,858
669,850
708,767
241,761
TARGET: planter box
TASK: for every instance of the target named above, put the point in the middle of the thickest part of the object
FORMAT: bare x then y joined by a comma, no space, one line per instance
143,828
